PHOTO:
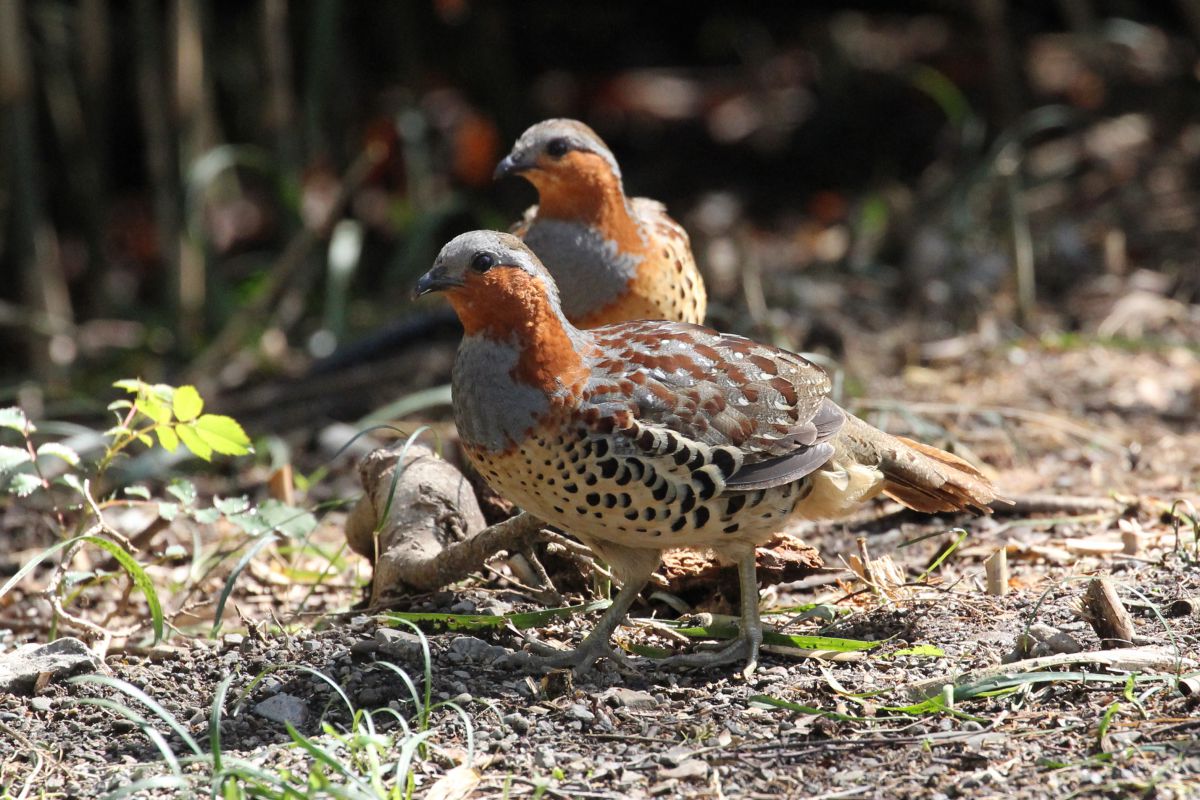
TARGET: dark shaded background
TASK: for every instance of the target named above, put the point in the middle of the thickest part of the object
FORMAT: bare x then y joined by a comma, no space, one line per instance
241,194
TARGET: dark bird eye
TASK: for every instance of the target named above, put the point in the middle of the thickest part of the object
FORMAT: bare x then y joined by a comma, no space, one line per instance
557,148
482,262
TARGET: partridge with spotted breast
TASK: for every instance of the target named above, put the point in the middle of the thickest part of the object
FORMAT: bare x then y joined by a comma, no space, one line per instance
614,258
638,437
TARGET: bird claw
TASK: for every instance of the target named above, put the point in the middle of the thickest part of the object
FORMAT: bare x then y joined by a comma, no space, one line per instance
744,647
579,660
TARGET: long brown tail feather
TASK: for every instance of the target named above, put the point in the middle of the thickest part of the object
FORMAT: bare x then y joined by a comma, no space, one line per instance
919,476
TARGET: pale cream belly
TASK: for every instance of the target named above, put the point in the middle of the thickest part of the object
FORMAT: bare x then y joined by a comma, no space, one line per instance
564,486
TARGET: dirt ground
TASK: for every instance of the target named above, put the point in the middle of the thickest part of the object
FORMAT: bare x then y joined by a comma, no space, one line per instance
1028,410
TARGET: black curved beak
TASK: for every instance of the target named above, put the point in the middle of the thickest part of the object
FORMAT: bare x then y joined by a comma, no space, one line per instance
512,164
434,281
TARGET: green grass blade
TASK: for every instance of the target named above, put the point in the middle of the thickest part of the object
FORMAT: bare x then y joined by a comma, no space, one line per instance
153,734
30,565
139,577
937,562
149,785
214,722
728,629
242,695
1106,721
241,565
775,702
323,756
146,700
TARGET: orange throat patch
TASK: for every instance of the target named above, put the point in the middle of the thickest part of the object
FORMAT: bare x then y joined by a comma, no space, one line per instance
582,188
510,305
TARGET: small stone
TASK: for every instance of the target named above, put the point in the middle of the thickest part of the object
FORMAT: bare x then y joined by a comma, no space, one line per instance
364,647
517,722
282,708
628,777
400,645
20,669
463,607
42,704
580,712
232,640
620,697
687,770
544,758
164,652
470,648
463,699
310,645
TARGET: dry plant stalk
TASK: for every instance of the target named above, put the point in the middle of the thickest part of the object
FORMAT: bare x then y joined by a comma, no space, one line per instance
997,573
1104,611
1124,659
881,575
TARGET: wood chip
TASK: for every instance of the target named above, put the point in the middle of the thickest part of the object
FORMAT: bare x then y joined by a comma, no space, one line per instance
1103,610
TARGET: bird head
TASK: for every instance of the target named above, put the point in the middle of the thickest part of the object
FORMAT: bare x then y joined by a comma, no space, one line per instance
561,154
493,281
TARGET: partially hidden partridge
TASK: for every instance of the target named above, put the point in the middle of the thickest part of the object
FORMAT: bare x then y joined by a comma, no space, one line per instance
614,258
639,437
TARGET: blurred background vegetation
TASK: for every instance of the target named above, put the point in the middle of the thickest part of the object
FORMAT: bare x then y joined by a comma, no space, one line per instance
240,194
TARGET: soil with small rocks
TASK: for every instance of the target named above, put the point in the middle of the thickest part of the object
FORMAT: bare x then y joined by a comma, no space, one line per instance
651,732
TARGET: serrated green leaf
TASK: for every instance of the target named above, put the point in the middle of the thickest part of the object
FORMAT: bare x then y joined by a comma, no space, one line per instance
223,434
232,505
59,450
13,417
183,491
206,516
187,403
131,385
154,408
137,491
168,511
74,481
191,439
12,457
274,516
24,484
167,438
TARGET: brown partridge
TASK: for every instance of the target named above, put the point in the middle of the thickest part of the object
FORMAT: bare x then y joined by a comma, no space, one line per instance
640,437
614,258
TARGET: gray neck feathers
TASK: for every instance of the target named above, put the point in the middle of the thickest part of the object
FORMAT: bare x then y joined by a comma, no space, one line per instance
590,270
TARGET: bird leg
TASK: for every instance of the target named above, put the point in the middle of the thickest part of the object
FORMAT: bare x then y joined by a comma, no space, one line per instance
749,638
594,646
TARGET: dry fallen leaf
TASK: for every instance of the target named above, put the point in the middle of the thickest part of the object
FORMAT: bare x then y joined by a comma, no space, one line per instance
456,784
